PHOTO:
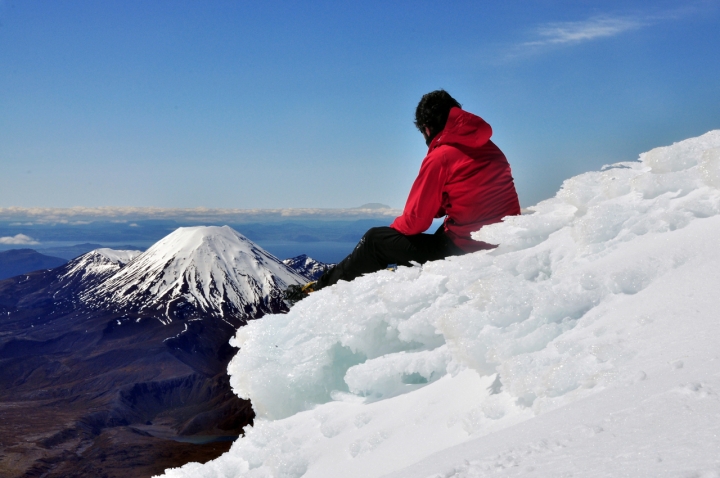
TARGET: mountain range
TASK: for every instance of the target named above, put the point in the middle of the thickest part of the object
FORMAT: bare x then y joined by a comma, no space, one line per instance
116,360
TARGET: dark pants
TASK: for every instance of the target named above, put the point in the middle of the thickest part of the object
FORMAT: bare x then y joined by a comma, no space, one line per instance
382,246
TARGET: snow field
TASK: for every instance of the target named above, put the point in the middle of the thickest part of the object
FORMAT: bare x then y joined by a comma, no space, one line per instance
660,417
578,306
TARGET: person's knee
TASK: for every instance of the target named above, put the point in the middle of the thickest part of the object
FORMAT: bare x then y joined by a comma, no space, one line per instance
372,233
377,234
380,232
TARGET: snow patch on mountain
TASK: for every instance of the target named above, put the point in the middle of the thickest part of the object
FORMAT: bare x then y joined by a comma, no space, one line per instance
307,266
594,323
213,269
98,264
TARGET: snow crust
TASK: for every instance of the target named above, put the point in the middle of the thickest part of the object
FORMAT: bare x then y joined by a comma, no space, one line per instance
584,345
213,268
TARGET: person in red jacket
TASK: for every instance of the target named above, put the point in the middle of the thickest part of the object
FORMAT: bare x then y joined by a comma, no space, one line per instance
464,178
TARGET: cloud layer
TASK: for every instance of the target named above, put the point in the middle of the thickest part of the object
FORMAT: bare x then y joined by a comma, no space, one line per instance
19,239
85,215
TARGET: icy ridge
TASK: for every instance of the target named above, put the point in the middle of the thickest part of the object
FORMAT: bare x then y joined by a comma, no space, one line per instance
215,269
460,348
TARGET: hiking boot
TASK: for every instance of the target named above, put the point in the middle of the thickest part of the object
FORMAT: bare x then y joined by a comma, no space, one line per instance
295,293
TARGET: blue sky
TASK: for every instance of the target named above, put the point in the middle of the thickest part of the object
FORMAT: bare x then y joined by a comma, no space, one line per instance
183,104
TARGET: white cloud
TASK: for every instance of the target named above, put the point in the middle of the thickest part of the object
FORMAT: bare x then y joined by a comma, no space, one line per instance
604,26
576,32
19,239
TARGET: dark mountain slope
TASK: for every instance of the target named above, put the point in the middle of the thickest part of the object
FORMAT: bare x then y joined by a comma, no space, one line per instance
101,374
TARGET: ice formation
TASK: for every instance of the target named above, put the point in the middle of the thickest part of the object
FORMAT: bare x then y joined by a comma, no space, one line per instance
591,305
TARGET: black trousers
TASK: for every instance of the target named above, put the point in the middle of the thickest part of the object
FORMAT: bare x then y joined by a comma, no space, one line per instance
382,246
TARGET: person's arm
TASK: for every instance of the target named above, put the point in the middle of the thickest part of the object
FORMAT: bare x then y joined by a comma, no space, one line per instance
425,200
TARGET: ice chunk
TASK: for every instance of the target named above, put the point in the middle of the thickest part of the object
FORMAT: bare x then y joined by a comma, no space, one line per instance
392,332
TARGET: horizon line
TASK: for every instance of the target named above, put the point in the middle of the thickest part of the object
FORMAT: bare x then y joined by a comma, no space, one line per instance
81,214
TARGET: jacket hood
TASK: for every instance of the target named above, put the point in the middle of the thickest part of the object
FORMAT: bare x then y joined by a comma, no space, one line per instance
464,130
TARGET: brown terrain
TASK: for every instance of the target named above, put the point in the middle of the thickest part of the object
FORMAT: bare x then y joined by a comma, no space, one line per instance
106,393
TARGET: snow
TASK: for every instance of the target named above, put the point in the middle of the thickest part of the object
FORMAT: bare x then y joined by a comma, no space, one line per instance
211,267
307,266
98,263
117,256
584,345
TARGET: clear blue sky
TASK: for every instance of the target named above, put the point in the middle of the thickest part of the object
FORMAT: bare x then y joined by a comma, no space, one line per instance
310,104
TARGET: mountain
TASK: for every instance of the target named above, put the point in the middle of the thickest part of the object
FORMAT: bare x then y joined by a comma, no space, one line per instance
20,261
198,271
115,363
57,291
95,266
71,252
307,266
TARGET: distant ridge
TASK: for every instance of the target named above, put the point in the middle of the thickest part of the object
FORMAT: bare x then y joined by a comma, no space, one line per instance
71,252
96,266
21,261
307,266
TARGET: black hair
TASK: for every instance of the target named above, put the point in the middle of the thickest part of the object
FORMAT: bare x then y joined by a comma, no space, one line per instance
433,110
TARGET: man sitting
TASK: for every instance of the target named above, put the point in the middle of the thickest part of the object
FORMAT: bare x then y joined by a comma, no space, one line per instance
464,177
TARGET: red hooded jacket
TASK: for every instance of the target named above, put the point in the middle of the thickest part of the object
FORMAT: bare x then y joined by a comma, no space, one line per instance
464,177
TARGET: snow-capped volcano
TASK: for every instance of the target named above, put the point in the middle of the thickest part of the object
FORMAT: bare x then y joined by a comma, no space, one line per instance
205,270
